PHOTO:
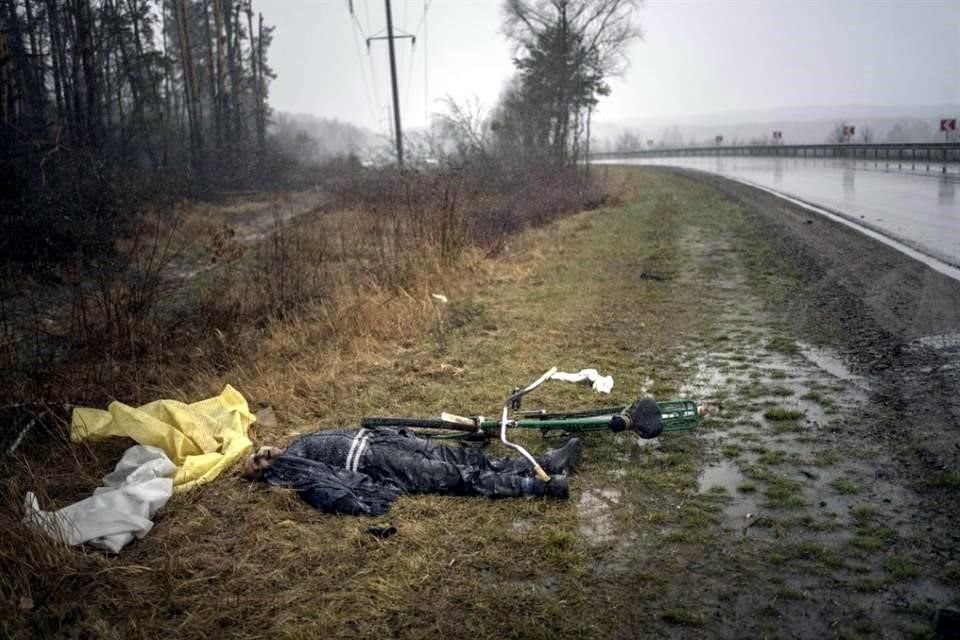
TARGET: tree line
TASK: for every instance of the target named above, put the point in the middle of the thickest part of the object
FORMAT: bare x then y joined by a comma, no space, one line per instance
98,92
152,83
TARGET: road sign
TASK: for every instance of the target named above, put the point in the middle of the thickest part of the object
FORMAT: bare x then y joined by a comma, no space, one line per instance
778,135
649,143
948,124
719,139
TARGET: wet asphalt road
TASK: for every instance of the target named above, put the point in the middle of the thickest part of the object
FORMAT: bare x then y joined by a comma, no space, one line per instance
907,202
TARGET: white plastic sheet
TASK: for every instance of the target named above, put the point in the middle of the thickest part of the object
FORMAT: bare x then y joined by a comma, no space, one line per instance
601,384
117,512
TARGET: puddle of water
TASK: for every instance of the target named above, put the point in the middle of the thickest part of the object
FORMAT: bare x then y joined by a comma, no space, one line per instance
706,381
596,518
727,474
724,474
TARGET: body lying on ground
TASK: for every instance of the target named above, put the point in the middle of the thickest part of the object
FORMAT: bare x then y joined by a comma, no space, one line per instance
362,471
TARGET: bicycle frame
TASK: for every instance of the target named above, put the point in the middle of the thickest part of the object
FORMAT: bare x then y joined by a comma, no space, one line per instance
678,415
670,416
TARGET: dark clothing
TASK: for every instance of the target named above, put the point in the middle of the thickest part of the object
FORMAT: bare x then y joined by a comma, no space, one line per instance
363,471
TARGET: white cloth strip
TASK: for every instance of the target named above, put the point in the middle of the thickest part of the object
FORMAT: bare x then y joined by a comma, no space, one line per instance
353,448
360,449
601,384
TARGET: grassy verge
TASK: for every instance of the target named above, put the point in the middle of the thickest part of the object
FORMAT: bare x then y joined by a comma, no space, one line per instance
659,292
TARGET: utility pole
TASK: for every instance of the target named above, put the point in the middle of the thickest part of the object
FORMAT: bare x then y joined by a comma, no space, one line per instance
390,37
393,81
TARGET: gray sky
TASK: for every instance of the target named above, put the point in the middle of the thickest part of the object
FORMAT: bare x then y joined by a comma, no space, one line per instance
696,57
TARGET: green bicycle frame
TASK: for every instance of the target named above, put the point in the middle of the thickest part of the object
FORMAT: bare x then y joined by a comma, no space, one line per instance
646,417
678,415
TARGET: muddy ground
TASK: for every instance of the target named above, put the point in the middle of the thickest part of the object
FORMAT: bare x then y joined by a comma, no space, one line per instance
873,373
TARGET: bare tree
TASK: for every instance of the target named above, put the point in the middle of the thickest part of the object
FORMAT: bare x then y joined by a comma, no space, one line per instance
463,127
604,27
838,134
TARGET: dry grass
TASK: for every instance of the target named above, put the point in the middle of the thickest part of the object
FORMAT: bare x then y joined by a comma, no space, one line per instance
326,319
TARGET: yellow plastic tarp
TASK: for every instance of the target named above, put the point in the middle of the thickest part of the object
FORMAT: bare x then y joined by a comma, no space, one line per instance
202,438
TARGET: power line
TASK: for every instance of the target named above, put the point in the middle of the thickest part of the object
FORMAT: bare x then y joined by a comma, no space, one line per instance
363,73
375,81
423,17
406,97
426,66
356,21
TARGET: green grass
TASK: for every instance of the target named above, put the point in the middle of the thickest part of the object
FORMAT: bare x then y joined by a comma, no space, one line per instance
786,593
902,567
814,553
819,398
781,391
783,344
951,572
948,480
780,414
872,537
781,428
783,493
772,457
845,487
809,522
732,450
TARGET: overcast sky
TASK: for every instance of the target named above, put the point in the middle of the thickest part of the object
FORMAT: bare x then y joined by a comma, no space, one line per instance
695,57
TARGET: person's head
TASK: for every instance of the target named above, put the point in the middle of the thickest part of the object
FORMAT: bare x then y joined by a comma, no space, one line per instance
257,463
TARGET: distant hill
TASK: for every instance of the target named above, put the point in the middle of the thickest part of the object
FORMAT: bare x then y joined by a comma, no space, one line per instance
800,125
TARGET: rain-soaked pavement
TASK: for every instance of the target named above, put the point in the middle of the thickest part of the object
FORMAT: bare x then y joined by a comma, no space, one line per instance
915,203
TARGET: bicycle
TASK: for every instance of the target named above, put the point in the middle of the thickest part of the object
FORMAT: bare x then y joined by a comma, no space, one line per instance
646,417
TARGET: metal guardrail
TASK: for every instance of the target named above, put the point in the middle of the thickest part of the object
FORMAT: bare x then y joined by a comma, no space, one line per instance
932,152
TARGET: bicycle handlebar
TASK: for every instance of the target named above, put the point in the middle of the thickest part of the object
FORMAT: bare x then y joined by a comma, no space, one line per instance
504,420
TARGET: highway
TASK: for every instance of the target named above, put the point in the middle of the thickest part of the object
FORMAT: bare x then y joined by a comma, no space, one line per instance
912,206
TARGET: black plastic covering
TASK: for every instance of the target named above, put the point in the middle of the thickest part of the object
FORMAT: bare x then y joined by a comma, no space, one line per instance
393,462
331,489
